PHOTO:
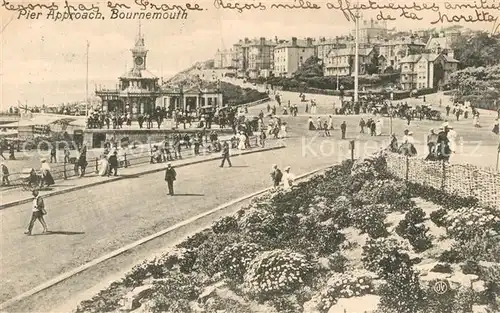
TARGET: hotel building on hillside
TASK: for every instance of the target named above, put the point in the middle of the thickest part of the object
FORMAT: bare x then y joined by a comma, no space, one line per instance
289,56
341,62
254,57
428,70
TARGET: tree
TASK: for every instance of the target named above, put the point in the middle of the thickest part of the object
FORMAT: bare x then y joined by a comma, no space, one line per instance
478,49
438,74
312,67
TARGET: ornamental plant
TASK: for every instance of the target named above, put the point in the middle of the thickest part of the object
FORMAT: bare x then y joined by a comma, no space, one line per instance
412,227
234,260
402,292
344,286
467,223
174,292
387,191
370,219
383,255
313,236
448,201
438,217
211,248
225,224
277,272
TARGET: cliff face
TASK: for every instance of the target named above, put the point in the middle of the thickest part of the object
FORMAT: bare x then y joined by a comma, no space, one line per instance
191,74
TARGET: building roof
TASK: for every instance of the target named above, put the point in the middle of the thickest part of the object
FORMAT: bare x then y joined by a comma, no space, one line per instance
430,57
350,51
402,42
442,42
288,44
257,41
134,74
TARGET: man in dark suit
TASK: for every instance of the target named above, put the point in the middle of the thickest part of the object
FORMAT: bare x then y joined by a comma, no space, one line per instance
170,176
225,154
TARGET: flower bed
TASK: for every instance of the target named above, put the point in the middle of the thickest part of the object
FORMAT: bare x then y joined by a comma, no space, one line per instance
298,250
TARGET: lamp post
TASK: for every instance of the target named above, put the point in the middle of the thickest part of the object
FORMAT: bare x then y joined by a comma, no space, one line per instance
87,83
356,60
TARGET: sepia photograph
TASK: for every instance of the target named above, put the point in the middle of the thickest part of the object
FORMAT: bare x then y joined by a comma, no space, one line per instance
222,156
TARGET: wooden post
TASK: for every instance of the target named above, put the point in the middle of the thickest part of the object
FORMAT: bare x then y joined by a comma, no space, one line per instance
407,173
351,146
443,176
125,160
64,169
97,165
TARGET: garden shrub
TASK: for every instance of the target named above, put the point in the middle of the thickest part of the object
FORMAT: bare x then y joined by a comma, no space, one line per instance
225,224
285,304
312,236
107,300
412,227
174,292
448,201
277,272
479,249
389,191
402,292
384,255
467,223
207,252
491,277
451,256
217,304
439,217
196,240
338,262
339,212
235,258
344,286
370,219
440,302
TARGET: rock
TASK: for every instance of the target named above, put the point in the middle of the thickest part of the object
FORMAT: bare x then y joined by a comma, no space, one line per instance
324,263
367,304
479,309
442,268
210,291
133,299
459,279
478,286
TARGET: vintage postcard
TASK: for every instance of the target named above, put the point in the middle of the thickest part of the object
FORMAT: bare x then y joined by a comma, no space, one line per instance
239,156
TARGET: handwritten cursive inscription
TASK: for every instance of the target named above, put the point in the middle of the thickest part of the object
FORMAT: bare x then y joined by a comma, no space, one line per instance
301,4
239,7
481,16
112,5
29,7
146,5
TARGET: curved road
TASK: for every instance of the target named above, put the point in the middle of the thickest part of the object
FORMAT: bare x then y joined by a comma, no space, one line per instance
87,224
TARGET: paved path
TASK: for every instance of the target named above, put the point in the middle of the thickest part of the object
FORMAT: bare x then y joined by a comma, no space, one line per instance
477,146
90,222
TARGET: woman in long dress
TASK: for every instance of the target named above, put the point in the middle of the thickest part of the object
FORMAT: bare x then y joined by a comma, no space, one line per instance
241,142
283,131
46,176
378,128
103,166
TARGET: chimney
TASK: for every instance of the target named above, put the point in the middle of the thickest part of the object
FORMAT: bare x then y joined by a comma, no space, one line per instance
309,41
246,40
262,41
294,41
276,39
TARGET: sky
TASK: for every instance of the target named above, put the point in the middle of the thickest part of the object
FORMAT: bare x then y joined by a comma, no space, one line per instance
44,61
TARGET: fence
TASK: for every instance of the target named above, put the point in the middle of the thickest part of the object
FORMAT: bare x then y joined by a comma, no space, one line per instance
466,180
70,169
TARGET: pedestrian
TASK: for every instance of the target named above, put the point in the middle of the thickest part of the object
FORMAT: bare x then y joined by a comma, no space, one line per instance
38,211
170,177
343,129
66,154
276,175
432,140
5,174
326,129
113,163
53,151
288,179
225,154
1,150
46,176
362,125
262,139
496,128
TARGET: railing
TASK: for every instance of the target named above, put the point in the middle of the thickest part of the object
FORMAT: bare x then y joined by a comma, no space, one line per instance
466,180
70,169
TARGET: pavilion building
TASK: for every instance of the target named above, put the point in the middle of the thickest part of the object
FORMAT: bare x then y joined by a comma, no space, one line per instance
139,91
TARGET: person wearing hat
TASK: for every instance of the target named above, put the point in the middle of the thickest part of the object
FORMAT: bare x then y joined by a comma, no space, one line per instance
276,175
113,163
170,177
452,139
432,140
288,179
5,174
225,154
38,211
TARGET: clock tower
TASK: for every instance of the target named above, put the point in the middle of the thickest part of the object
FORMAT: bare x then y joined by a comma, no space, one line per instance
139,53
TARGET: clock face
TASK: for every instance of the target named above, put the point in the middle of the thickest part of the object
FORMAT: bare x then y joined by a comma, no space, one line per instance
139,60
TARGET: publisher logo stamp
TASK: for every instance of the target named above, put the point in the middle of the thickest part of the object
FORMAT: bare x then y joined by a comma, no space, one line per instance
440,287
